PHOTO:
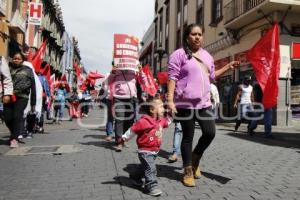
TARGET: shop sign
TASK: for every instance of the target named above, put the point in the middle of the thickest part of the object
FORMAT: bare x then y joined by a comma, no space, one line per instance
295,51
35,13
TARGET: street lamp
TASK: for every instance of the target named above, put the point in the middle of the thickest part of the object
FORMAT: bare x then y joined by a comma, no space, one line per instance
69,70
160,53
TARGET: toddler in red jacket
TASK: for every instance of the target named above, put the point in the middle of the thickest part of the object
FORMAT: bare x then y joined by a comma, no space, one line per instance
149,136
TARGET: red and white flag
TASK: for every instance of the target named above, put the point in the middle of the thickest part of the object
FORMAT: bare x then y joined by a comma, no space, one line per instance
265,59
38,57
147,81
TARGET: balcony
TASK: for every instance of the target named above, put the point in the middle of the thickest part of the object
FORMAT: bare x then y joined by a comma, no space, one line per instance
18,22
239,13
3,5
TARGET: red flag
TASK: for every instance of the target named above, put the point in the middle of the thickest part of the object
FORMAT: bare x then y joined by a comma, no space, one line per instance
37,59
94,75
147,81
162,77
47,72
30,55
265,59
63,79
77,70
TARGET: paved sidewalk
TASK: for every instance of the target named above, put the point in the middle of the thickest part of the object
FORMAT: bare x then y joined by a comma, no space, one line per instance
236,167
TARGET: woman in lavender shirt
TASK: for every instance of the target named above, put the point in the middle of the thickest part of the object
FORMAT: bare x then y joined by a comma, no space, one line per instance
190,70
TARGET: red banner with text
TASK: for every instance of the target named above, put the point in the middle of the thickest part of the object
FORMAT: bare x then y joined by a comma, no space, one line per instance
126,52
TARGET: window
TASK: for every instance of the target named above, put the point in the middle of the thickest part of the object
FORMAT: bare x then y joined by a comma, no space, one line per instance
216,12
200,13
178,39
160,26
167,45
167,20
155,32
156,6
185,11
178,6
200,3
178,13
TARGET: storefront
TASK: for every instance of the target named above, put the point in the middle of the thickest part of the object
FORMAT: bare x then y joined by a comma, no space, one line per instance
295,80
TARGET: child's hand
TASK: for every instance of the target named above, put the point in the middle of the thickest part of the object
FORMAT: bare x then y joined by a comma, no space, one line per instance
124,139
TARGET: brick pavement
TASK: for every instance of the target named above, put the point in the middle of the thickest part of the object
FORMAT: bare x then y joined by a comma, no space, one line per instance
235,166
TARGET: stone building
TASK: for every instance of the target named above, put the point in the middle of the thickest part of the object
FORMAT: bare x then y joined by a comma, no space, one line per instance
231,28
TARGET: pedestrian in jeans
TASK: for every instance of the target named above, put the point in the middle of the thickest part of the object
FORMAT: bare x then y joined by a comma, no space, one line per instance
122,85
149,137
106,99
59,103
176,143
189,68
267,113
245,96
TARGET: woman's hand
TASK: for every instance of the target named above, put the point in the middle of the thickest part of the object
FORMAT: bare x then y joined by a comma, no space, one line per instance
233,64
6,99
235,106
140,67
172,107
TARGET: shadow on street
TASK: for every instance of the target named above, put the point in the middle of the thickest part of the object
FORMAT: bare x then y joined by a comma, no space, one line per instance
286,140
104,144
123,181
164,154
221,179
101,137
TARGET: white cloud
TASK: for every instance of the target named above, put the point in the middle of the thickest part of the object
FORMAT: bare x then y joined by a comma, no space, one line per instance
94,22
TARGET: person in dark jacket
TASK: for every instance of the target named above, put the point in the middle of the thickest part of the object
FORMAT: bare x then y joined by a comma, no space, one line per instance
23,87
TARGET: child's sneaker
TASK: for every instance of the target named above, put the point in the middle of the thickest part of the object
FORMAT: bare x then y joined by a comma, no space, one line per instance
154,192
14,144
29,135
173,158
119,148
108,138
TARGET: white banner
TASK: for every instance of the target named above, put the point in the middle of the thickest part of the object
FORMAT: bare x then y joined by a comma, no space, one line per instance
35,13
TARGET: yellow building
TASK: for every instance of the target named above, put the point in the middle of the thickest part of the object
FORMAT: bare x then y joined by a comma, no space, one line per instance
12,27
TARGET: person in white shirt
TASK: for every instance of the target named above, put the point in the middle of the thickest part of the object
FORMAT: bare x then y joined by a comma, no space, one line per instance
215,98
245,95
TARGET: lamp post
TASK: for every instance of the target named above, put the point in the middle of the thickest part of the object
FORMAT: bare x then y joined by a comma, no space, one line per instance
160,53
69,70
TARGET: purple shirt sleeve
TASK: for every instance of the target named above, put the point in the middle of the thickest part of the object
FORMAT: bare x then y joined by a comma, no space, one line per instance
212,74
174,65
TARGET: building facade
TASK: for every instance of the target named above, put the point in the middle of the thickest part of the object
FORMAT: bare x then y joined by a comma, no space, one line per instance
52,30
231,28
62,51
147,44
12,27
67,59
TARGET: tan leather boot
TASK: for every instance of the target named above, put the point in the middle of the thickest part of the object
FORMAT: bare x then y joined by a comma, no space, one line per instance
195,165
188,177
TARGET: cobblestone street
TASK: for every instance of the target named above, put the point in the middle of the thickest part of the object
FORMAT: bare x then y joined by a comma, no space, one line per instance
236,166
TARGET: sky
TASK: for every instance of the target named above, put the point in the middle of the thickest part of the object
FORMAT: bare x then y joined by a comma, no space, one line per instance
93,23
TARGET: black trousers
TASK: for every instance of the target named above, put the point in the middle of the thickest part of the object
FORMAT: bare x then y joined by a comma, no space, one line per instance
13,117
206,120
44,109
124,114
